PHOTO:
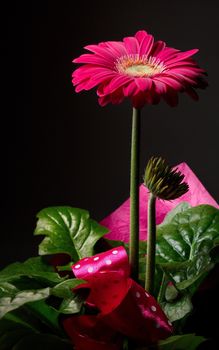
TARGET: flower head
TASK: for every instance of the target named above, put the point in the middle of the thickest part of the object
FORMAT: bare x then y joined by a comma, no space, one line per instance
163,181
139,68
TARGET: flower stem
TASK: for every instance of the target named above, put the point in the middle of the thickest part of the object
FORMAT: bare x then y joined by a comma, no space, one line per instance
151,245
134,194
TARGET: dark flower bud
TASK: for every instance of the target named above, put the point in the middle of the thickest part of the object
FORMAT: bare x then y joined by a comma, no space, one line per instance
164,181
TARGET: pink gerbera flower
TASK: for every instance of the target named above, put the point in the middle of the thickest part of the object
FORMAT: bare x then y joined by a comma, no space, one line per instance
139,68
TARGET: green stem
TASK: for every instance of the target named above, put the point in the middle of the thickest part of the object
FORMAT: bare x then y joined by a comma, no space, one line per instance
134,194
151,245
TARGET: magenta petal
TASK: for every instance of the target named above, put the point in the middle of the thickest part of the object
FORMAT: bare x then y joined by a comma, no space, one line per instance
171,82
117,47
118,221
157,48
130,89
131,45
140,35
146,42
117,82
143,83
103,52
167,53
182,56
94,59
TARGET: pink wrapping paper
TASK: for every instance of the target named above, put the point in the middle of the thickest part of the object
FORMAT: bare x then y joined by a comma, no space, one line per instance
118,221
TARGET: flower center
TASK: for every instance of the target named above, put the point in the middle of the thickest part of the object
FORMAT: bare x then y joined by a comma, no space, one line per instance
139,66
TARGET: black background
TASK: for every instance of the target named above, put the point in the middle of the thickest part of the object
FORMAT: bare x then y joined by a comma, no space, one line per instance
64,149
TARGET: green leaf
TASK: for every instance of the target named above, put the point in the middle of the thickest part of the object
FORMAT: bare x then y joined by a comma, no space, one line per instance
64,289
34,267
9,339
16,335
71,305
184,244
7,289
181,342
68,230
11,302
181,207
176,310
46,314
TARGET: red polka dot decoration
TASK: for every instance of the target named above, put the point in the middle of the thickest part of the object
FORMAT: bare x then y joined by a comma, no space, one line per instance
124,306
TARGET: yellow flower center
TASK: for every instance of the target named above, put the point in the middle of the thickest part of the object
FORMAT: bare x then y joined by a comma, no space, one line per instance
139,66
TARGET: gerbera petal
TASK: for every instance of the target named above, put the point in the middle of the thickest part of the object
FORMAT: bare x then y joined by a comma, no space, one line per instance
94,59
186,63
170,81
157,48
131,45
143,83
182,56
130,89
187,71
183,78
167,53
101,51
117,47
146,45
140,35
160,87
145,42
116,83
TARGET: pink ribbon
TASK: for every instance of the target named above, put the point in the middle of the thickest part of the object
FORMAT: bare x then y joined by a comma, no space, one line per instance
124,307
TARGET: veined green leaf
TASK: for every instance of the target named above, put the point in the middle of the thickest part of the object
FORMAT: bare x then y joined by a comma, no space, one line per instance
72,305
181,342
68,230
64,289
178,309
14,334
184,244
34,268
9,303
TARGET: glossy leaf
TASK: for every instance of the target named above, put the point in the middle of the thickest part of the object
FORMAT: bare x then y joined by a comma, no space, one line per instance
181,207
15,335
68,230
11,302
181,342
64,289
184,244
34,267
71,305
176,310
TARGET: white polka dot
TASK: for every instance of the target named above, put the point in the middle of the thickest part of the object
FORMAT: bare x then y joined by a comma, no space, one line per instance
86,259
137,295
115,252
96,258
77,266
108,262
153,308
90,269
169,323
